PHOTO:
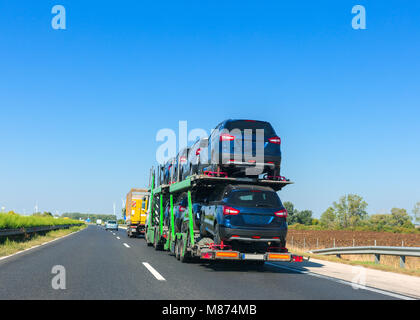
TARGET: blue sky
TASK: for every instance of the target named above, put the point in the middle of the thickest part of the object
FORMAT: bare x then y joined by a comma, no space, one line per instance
80,108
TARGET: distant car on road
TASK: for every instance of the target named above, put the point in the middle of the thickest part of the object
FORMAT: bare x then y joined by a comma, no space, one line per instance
111,225
98,222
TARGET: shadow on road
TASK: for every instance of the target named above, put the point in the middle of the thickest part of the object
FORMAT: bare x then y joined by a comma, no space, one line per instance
235,266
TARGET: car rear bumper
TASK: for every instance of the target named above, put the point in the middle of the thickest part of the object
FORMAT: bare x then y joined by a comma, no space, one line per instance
253,235
267,160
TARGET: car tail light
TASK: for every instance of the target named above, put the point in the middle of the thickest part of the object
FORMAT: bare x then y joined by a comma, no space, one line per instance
206,255
226,137
198,152
235,236
228,211
281,213
181,208
256,237
297,258
275,140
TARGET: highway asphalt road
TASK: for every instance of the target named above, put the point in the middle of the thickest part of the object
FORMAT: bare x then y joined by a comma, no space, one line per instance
101,265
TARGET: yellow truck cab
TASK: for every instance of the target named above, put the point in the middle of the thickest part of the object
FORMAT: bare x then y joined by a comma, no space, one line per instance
136,211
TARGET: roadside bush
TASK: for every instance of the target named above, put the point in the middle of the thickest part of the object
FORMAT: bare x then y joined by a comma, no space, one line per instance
15,221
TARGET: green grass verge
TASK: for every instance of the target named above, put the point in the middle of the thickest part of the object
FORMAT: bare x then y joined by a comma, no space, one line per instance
15,221
9,246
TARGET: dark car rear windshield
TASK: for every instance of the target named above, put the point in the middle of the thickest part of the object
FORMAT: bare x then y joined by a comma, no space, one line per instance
250,124
112,222
254,198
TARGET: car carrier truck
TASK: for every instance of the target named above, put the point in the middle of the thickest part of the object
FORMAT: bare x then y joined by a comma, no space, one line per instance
187,243
136,211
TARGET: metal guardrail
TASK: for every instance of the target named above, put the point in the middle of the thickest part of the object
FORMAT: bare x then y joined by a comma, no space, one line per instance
21,231
402,252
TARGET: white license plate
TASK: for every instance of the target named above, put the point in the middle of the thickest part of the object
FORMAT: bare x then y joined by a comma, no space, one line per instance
251,256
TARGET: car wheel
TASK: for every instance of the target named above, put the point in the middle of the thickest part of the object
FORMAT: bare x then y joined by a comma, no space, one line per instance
177,253
147,240
276,171
217,239
203,231
183,256
156,244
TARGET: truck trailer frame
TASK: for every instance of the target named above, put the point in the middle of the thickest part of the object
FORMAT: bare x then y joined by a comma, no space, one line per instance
188,244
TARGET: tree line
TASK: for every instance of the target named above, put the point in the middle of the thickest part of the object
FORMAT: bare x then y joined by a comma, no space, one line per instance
350,213
93,216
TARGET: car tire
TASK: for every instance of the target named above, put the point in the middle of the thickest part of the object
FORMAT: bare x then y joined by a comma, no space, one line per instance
276,171
203,232
177,251
217,239
149,244
183,256
156,244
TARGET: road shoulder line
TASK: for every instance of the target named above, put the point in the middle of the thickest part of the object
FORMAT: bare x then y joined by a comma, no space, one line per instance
357,286
38,245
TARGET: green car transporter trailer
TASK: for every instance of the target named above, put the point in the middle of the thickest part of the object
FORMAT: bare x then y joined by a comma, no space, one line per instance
188,244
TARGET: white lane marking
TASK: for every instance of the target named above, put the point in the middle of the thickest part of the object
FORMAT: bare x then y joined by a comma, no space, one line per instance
152,270
126,245
391,294
118,238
